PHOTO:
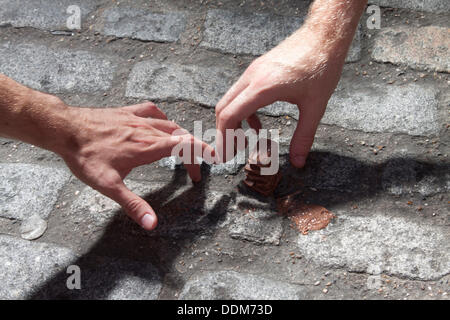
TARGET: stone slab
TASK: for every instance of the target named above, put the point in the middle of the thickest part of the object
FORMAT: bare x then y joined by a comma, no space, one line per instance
378,244
229,285
424,48
254,34
205,85
405,176
39,270
410,109
27,190
256,221
42,14
134,23
56,70
436,6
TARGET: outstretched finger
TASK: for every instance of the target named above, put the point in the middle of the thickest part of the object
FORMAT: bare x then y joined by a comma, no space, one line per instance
242,107
192,150
186,147
166,126
134,206
193,171
303,137
198,149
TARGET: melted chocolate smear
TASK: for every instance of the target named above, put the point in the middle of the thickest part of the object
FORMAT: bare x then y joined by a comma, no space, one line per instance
304,217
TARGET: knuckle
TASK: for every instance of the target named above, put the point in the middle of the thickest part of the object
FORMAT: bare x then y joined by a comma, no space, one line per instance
173,126
255,65
227,117
152,107
133,205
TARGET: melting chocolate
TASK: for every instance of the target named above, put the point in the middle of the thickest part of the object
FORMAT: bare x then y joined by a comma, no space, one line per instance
304,217
310,217
264,184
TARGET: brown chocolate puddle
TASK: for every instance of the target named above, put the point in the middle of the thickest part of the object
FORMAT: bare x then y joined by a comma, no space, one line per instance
304,217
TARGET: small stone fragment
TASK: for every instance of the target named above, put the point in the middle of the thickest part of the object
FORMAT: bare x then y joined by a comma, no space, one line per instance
33,227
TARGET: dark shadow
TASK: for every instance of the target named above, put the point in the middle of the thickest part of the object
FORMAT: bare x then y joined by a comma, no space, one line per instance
328,179
127,250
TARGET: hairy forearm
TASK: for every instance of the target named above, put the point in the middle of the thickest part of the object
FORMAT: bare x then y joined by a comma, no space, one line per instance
326,35
33,117
335,21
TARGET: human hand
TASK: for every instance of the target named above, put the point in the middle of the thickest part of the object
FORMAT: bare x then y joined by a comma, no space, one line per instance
303,70
297,71
104,145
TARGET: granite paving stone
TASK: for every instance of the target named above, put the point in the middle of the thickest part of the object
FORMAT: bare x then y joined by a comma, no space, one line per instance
141,24
229,285
39,270
435,6
254,34
240,33
256,221
377,243
56,70
424,48
43,14
410,108
27,190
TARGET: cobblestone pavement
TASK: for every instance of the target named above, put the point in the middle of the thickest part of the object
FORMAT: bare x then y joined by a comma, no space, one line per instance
379,163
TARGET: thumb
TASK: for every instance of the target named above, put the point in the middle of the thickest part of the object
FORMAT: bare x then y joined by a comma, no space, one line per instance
134,206
303,137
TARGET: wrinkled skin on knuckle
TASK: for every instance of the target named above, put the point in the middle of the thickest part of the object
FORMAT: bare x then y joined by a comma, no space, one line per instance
133,205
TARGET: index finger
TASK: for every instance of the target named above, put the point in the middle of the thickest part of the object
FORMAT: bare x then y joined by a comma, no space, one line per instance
242,107
189,149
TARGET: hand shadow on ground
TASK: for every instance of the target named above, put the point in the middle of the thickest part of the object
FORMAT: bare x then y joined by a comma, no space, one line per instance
125,250
328,179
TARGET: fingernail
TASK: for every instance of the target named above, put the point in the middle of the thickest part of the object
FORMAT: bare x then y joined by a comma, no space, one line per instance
298,161
148,221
